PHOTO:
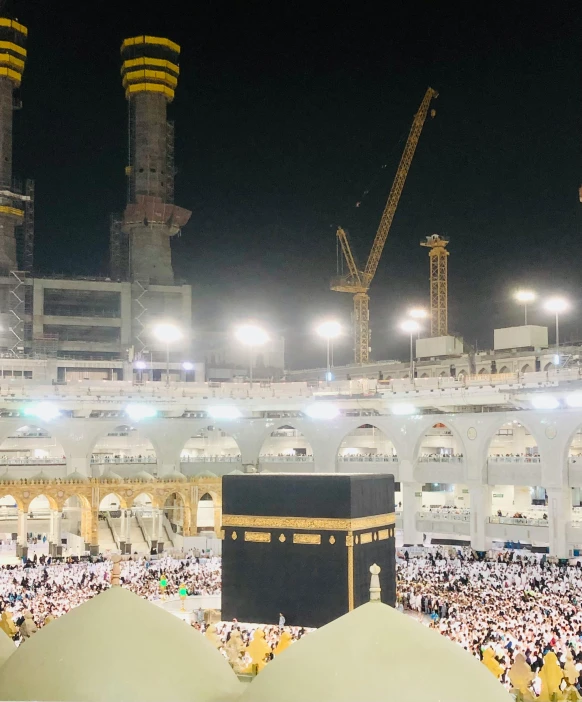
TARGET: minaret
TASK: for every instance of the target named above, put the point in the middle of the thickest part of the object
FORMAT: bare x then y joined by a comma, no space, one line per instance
12,59
150,75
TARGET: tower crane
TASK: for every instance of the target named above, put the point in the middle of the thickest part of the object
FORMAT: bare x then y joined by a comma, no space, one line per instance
357,282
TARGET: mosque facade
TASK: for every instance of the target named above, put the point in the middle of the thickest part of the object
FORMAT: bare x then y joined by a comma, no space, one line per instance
487,462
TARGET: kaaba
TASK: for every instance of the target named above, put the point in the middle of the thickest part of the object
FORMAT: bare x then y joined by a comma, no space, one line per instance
302,545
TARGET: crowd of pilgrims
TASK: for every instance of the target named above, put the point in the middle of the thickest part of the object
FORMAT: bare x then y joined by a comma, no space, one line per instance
48,589
510,604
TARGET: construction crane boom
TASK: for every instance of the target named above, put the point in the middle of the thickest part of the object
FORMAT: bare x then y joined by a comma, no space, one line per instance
357,281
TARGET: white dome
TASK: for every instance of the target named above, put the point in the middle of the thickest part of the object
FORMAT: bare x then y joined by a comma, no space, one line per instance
118,646
378,654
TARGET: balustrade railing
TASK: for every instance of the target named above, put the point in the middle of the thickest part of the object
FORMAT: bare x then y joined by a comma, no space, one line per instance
367,458
100,459
526,521
436,458
210,459
33,461
444,516
285,459
514,459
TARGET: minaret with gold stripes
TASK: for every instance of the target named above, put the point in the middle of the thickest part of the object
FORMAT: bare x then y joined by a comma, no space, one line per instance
12,59
150,71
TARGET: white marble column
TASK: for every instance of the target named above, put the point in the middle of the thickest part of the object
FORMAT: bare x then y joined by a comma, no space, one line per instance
559,517
480,512
411,504
21,541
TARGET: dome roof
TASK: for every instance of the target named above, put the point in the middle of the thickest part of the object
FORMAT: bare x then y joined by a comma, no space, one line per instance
75,477
95,653
236,471
375,653
8,477
143,476
173,475
40,477
7,647
111,476
206,474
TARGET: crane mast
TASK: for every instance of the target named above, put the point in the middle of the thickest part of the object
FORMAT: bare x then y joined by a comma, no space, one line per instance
358,282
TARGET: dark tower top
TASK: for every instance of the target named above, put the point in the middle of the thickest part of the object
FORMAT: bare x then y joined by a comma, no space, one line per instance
150,71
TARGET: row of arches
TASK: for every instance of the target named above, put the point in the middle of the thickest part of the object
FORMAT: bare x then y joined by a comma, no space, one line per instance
34,445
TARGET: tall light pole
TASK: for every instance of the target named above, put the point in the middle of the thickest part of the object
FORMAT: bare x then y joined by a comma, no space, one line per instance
168,334
329,330
557,305
525,296
410,326
418,313
250,335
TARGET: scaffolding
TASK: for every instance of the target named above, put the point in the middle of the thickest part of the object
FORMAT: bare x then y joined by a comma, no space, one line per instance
170,163
17,309
140,313
130,152
28,229
118,249
438,256
45,346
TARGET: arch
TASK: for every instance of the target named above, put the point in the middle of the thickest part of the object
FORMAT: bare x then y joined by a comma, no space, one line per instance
505,369
175,510
7,501
42,503
205,512
210,442
443,374
285,442
31,444
424,375
440,440
527,368
366,441
84,502
549,366
123,443
483,371
512,439
107,504
144,500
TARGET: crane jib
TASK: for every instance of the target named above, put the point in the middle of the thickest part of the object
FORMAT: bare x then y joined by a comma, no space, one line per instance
358,282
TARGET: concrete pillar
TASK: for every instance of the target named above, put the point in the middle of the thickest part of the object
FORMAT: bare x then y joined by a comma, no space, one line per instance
559,516
125,311
128,518
480,497
55,547
21,541
411,504
217,520
37,308
160,530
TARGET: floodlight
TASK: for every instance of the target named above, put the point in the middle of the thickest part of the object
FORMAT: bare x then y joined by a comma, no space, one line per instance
187,366
224,412
547,402
138,411
329,329
168,333
322,411
140,365
251,335
556,305
525,295
410,326
418,313
574,399
42,410
403,408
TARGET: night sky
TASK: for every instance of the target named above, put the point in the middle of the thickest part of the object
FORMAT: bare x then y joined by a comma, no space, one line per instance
286,114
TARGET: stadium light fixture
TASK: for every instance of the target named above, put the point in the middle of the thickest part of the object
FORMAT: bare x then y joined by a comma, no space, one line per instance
168,334
403,408
42,410
524,297
224,412
574,399
545,402
329,330
138,412
322,410
251,335
188,366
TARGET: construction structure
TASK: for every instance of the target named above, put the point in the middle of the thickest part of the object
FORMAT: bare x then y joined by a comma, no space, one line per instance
438,256
358,282
150,72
